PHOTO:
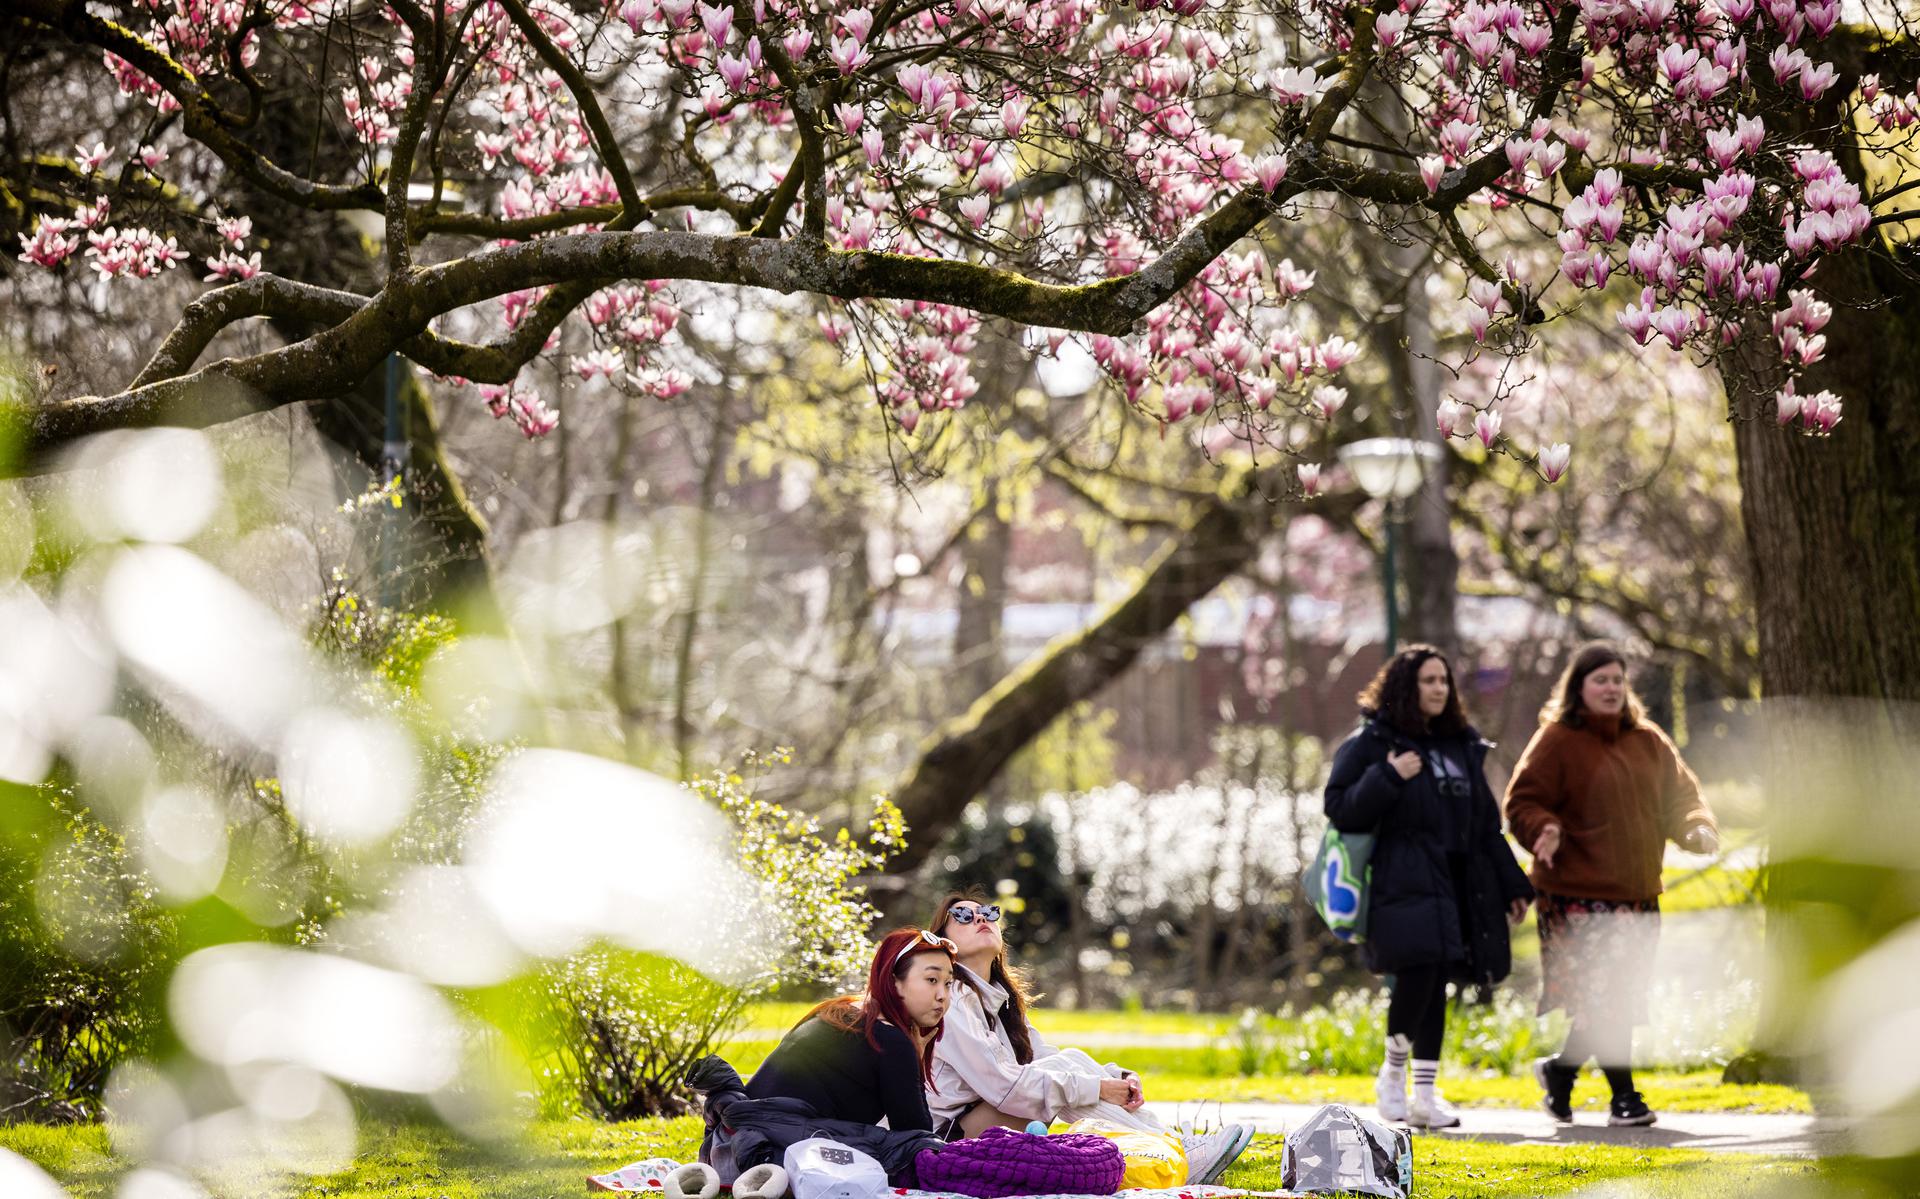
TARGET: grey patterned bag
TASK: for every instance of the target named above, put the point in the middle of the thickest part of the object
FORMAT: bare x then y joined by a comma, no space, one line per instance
1337,1149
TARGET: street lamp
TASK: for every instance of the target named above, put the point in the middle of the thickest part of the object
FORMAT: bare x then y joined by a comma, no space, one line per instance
395,439
1390,469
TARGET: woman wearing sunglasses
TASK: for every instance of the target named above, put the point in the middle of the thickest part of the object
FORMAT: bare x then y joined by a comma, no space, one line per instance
990,1068
865,1058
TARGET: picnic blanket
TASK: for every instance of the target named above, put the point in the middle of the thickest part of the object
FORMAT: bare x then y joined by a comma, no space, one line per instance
649,1176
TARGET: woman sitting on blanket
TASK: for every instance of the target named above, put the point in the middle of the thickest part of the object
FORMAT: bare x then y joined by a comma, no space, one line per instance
867,1058
990,1067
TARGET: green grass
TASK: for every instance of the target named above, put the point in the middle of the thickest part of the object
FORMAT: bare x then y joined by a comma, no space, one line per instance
1698,1091
1209,1072
553,1159
1056,1024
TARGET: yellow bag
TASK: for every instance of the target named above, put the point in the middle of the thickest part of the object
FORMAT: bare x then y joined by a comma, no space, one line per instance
1154,1159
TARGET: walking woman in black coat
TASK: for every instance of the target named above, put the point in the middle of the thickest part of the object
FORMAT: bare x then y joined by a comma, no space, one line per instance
1445,885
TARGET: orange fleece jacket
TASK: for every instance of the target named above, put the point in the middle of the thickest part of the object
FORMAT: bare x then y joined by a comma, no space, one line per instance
1617,794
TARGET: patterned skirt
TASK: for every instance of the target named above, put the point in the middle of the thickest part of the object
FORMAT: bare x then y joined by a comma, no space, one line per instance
1596,956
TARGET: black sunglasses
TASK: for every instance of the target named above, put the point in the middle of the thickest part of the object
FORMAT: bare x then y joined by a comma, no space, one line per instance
967,915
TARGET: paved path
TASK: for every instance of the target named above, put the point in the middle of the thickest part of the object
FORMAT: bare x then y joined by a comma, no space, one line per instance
1723,1132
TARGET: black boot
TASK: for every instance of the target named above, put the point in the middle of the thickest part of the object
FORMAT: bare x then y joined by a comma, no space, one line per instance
1630,1110
1556,1080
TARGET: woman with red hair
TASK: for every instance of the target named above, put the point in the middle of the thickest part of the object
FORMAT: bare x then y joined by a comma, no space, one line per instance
869,1057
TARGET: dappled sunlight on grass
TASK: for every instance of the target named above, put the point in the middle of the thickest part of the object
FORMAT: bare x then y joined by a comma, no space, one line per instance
410,1161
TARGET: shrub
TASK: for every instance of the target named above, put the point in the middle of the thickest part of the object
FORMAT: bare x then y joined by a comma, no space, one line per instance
83,947
613,1033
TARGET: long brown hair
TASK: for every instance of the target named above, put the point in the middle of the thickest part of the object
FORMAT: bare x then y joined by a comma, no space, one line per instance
1014,1012
1565,706
859,1013
1393,697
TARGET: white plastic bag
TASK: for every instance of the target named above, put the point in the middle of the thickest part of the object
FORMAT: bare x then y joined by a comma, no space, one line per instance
821,1169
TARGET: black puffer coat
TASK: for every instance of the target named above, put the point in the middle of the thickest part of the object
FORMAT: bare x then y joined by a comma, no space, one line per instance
1426,906
743,1133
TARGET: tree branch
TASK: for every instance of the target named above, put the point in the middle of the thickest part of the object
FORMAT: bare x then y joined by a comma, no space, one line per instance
204,120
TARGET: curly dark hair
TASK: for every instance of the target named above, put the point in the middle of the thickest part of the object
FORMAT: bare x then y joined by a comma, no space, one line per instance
1565,706
1393,697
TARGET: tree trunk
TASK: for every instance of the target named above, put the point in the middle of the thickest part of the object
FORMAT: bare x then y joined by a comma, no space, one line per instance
969,751
979,654
1431,565
1833,533
446,566
1833,525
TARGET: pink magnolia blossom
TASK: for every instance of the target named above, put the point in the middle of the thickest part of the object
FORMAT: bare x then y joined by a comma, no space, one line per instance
1787,404
1820,413
228,266
1388,28
234,230
1815,80
1309,473
1290,281
1432,169
848,55
1328,399
1452,418
975,209
1336,353
1554,459
856,24
1297,85
1637,319
1270,169
91,160
600,364
734,71
49,245
1673,323
797,43
532,415
1457,138
1013,115
1486,427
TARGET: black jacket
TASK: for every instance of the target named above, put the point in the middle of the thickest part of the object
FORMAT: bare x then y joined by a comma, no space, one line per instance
1427,907
743,1133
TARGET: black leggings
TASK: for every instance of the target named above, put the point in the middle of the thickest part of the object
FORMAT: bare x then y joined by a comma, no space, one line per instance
1418,1009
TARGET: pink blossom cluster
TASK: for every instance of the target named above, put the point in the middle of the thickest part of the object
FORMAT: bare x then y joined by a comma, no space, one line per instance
1203,350
528,410
941,124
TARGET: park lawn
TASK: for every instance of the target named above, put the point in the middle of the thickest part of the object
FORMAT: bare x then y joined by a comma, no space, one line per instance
1056,1024
1206,1074
1693,1091
411,1161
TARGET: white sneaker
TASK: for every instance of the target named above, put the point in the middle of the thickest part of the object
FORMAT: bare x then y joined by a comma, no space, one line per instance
1210,1153
1428,1110
1390,1096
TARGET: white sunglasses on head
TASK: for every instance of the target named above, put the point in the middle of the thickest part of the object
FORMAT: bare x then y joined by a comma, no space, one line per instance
920,944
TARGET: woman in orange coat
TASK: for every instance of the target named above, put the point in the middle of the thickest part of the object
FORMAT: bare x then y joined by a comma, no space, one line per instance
1596,796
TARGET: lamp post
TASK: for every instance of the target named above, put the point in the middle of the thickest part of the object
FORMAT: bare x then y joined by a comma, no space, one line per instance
1390,469
395,437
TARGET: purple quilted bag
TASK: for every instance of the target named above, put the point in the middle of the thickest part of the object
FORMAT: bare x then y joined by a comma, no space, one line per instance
1001,1162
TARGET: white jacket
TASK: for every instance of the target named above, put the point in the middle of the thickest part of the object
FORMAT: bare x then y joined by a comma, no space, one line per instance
974,1060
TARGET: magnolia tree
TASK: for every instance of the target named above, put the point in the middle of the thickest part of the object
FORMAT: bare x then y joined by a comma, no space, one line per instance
1733,168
